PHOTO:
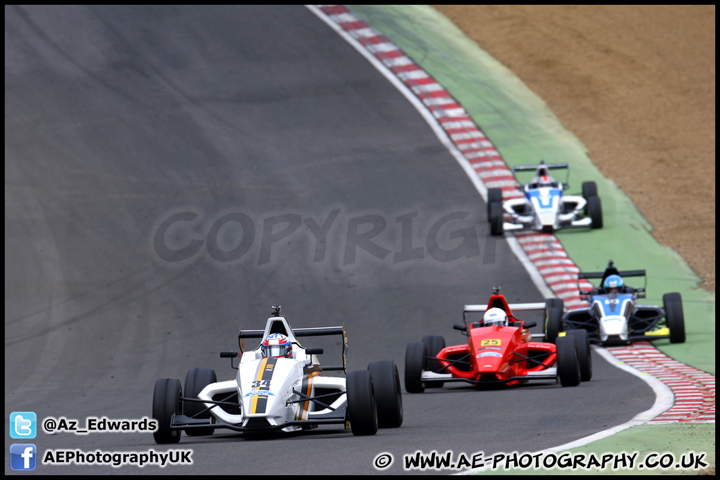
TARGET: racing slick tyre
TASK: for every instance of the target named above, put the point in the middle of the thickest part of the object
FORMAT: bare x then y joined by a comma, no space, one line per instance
388,393
568,366
672,304
497,219
166,403
553,323
589,189
434,344
494,196
414,365
594,207
582,341
361,406
195,381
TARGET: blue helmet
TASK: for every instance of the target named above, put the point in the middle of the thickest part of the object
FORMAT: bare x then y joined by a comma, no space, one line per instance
613,281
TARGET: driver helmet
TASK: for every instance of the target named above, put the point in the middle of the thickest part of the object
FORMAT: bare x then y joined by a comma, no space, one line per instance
495,316
545,180
613,283
276,345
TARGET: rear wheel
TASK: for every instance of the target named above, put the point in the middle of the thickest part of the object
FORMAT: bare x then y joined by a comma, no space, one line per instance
494,196
388,393
553,323
589,189
361,407
434,344
568,366
595,211
166,403
195,381
672,303
497,219
414,365
582,341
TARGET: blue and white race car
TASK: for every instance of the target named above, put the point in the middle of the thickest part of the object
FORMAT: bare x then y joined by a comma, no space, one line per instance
543,206
614,316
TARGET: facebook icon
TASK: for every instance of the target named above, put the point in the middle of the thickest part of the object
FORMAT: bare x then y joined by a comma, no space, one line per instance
23,456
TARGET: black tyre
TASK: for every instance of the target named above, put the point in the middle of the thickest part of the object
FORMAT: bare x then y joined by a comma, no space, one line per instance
361,407
568,366
494,196
582,341
674,317
414,365
388,393
552,303
166,403
434,344
553,323
195,381
589,189
594,207
497,219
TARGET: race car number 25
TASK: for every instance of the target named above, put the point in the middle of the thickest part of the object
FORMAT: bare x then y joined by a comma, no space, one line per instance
490,341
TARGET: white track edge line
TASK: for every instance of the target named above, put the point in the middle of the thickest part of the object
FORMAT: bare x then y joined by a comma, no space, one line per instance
532,271
664,397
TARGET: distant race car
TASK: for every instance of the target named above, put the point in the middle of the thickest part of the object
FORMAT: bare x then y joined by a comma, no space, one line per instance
614,317
499,350
544,207
279,386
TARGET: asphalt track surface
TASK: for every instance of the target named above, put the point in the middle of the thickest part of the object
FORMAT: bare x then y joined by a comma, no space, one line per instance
120,121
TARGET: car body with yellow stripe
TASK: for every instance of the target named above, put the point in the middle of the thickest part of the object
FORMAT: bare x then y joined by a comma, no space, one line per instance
616,318
285,393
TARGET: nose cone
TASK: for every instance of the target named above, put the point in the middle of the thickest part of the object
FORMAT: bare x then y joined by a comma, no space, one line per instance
489,361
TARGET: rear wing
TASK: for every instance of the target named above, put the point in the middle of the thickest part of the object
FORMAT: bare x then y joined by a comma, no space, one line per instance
611,270
278,324
549,166
514,307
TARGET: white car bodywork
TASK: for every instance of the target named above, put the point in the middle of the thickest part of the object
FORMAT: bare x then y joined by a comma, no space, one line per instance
543,206
548,210
270,389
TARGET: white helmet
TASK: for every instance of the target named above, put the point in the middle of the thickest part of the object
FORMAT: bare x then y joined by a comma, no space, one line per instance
495,316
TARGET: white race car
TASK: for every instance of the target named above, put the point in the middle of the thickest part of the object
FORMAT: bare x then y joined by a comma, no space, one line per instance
279,386
543,206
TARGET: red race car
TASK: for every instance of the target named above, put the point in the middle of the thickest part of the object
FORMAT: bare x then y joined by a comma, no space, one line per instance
499,350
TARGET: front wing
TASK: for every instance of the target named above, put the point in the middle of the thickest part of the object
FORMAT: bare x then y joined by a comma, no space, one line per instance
644,324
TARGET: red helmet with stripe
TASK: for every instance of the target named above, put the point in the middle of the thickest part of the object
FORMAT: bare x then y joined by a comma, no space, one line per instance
276,345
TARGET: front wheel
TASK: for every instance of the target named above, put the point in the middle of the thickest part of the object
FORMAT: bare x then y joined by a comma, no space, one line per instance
166,404
415,355
497,219
568,366
388,393
195,381
361,407
494,196
672,303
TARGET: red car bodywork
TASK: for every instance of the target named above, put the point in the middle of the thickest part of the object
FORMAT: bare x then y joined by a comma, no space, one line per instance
498,354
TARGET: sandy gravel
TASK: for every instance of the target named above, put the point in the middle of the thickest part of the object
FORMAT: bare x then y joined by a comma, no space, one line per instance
636,85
